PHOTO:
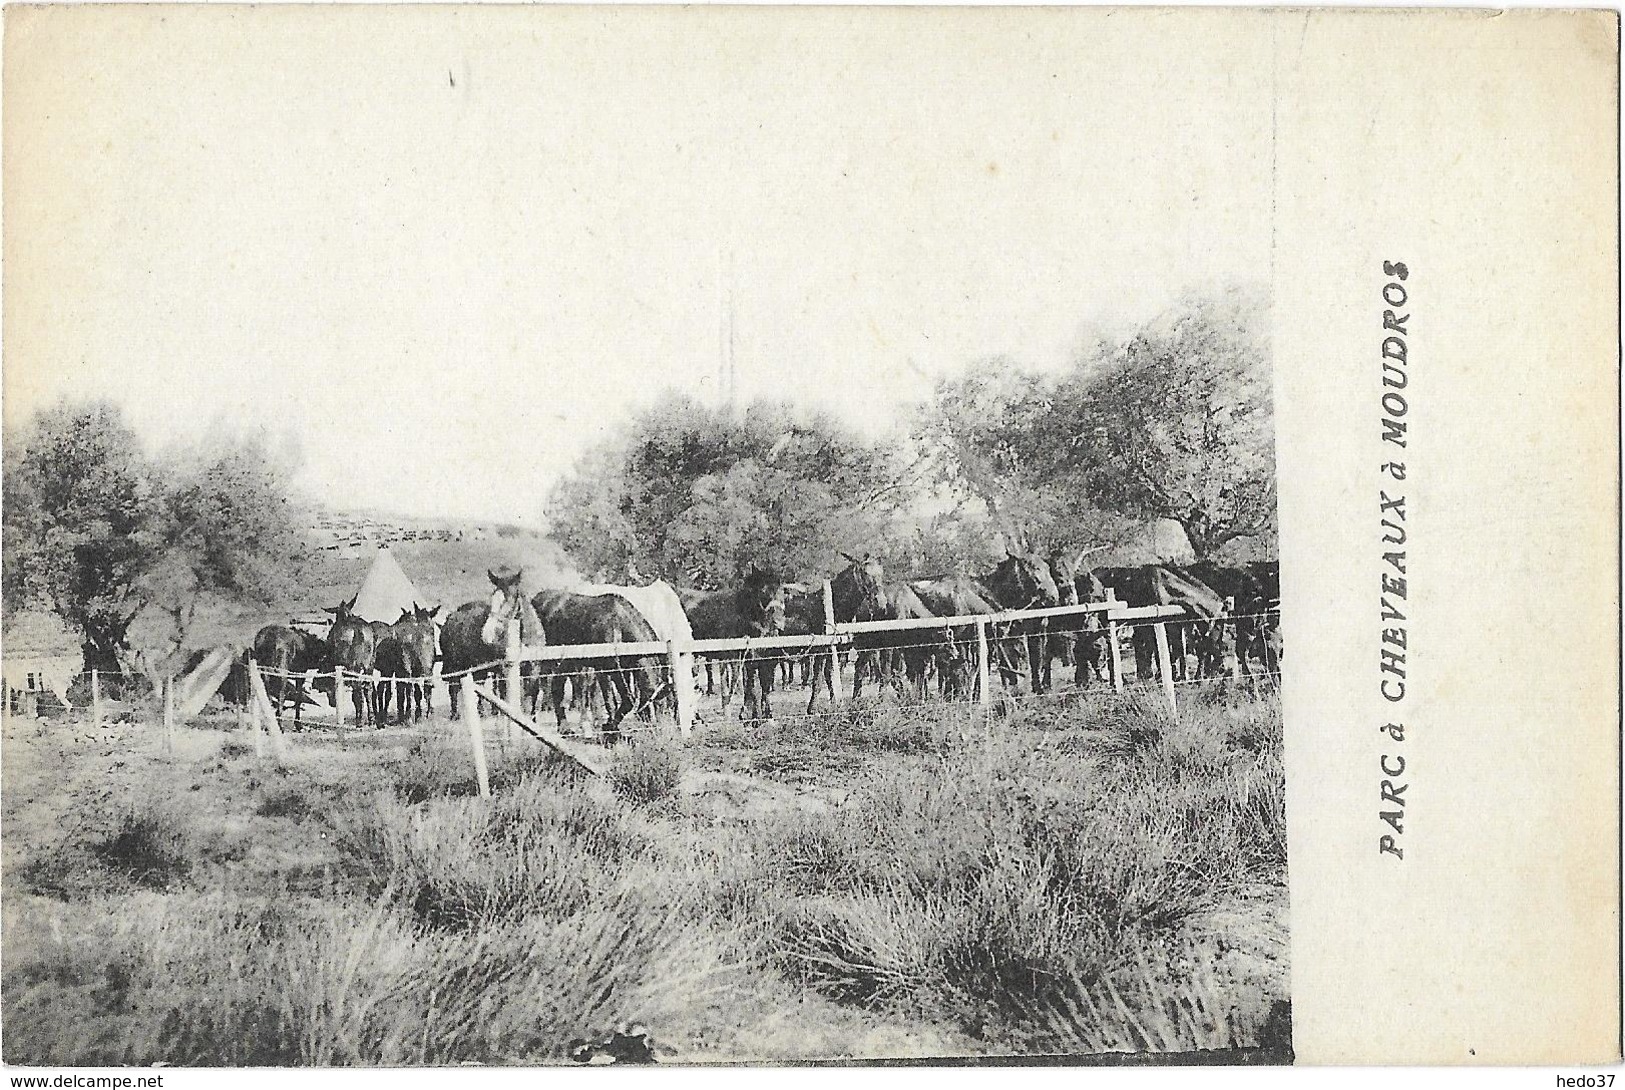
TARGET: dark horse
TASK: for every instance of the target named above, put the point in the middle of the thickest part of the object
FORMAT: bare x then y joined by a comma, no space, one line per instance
414,634
1074,640
756,609
352,645
628,683
476,634
1199,631
405,659
859,592
288,651
1021,581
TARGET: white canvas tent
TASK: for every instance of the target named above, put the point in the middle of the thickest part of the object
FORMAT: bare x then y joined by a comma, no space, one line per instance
386,591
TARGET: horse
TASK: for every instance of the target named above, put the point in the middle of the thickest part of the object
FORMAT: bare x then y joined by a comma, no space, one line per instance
629,683
288,651
414,633
352,645
1199,630
1075,635
476,633
1093,645
1020,581
754,610
859,592
804,616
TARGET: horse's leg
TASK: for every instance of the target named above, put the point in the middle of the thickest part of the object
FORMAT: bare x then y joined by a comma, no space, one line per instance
1038,645
749,711
556,691
767,689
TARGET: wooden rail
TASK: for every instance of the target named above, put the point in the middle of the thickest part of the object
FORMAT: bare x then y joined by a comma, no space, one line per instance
842,635
679,657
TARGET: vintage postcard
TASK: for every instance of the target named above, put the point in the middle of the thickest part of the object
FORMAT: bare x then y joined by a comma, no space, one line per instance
738,535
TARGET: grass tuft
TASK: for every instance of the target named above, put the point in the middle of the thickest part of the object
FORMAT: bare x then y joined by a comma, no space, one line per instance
647,773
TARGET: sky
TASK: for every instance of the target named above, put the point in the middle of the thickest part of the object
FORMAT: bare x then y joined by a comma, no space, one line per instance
443,251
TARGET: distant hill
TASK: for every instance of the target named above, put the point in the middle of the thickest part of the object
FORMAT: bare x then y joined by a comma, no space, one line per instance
445,559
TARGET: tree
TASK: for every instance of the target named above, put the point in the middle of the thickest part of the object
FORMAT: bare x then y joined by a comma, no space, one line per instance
698,495
100,533
226,534
76,529
1173,423
1001,436
976,435
1178,424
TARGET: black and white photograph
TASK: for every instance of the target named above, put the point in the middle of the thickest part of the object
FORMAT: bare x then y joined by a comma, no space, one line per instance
666,536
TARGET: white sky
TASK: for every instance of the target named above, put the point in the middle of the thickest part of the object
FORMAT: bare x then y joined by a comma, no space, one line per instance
448,249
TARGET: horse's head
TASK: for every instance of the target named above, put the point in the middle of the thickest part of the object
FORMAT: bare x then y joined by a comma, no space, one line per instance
344,610
509,607
1064,570
859,589
761,602
1023,581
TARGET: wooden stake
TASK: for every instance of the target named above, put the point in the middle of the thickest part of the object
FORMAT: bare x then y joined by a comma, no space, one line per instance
1115,661
338,699
169,717
273,730
476,735
1165,666
682,687
95,698
834,652
985,695
557,743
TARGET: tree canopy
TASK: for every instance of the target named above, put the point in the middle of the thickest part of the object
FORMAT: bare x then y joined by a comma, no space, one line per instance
699,495
100,532
1174,422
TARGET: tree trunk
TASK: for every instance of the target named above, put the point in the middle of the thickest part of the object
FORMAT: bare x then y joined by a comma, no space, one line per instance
1199,532
103,640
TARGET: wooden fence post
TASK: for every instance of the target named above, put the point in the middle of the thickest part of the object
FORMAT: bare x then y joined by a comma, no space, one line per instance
476,735
1115,649
338,699
262,704
834,651
95,698
251,706
169,716
982,673
516,691
1165,666
682,687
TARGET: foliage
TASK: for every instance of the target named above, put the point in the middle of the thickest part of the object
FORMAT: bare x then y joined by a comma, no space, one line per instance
225,530
1174,423
99,532
698,495
1184,426
77,522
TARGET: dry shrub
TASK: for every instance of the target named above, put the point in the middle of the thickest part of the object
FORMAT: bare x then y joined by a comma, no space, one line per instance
647,772
206,981
150,848
1003,877
1158,998
543,847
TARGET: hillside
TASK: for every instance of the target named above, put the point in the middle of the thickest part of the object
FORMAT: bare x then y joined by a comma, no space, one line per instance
446,561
